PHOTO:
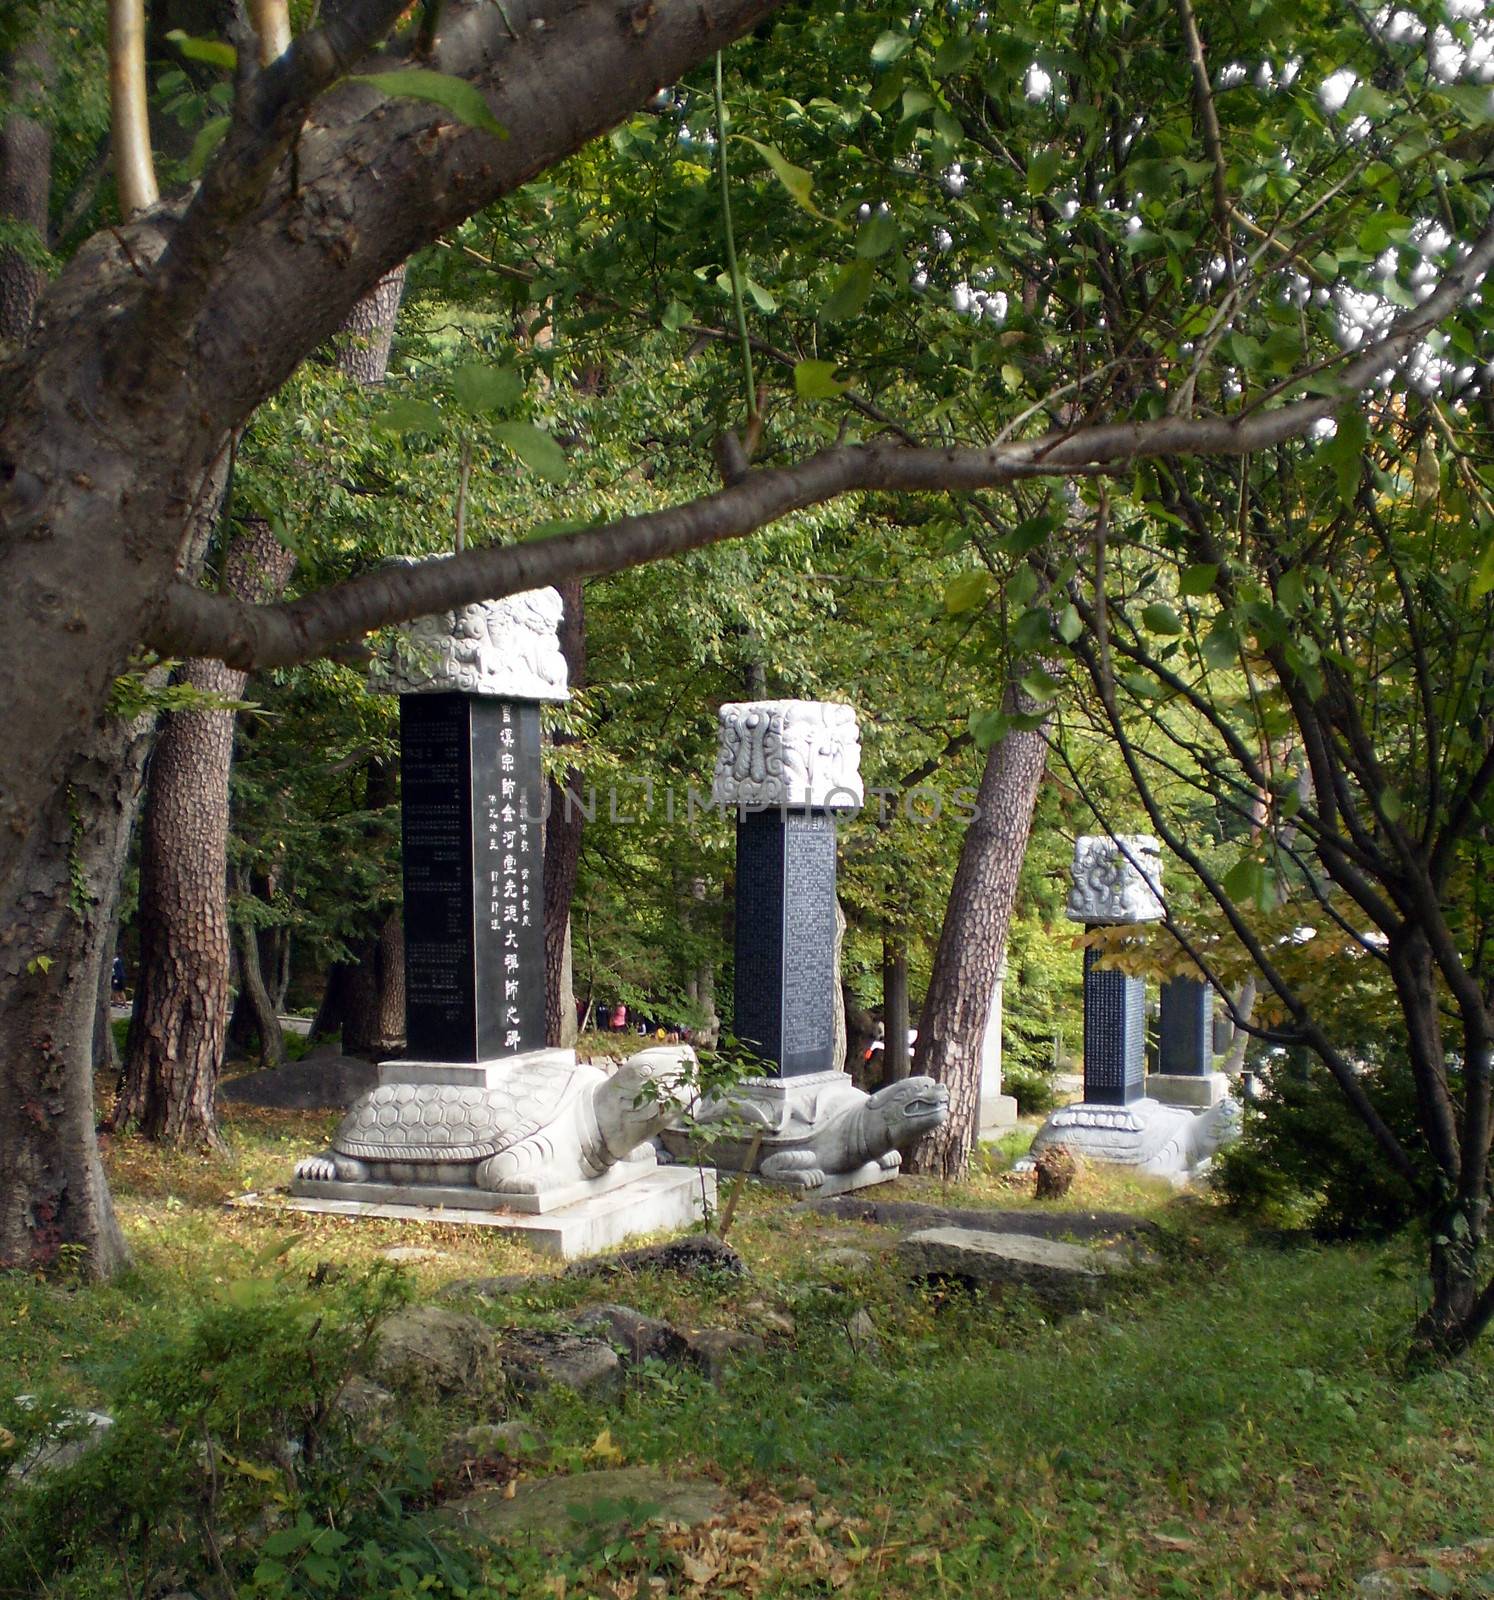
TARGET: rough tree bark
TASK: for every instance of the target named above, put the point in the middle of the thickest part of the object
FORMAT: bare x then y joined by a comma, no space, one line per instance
25,184
181,993
563,828
255,1003
897,1062
972,944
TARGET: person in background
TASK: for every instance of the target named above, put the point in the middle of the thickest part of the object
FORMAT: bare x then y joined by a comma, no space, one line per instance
619,1017
117,978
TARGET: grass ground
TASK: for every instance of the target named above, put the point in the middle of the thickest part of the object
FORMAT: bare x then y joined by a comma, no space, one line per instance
1238,1422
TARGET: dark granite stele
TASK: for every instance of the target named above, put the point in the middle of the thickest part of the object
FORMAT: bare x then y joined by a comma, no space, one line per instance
1186,1028
784,993
1114,1035
471,787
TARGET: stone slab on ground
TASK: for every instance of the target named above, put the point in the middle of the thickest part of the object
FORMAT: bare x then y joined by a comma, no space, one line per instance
1084,1225
562,1511
1062,1274
1454,1570
535,1359
686,1257
319,1083
664,1200
716,1350
639,1337
431,1350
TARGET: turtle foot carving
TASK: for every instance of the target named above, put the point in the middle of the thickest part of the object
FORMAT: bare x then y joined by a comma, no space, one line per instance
329,1167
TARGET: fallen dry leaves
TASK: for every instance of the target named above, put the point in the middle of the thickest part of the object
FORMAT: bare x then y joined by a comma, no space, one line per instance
763,1537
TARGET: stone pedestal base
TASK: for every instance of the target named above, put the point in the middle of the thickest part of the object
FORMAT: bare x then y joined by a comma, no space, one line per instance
1197,1091
1168,1141
464,1197
663,1200
998,1114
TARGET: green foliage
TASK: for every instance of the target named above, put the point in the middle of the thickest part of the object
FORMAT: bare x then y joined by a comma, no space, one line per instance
1304,1159
1033,1090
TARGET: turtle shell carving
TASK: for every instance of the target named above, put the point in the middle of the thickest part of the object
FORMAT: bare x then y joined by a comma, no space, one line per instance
409,1122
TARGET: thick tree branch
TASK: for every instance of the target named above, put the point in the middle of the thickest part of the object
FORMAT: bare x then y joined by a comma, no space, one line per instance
191,622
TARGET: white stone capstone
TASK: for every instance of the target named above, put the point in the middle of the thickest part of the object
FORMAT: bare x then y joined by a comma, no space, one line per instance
788,753
508,649
1116,879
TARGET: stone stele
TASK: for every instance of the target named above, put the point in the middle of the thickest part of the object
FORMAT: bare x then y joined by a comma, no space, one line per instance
788,753
1116,879
539,1131
507,649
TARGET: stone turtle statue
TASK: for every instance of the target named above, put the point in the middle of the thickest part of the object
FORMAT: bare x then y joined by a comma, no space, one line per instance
535,1125
837,1131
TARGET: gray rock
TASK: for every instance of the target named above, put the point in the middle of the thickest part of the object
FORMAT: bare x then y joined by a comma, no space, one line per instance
638,1337
862,1333
1455,1570
844,1260
564,1511
770,1321
698,1253
318,1083
1064,1275
716,1350
363,1402
74,1435
488,1289
430,1350
518,1441
536,1360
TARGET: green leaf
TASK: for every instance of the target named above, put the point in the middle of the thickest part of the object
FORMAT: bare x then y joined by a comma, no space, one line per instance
1160,618
1245,882
211,52
479,388
535,448
759,296
890,47
852,288
967,591
1198,579
1391,806
1040,686
209,137
1069,625
916,102
1291,591
676,315
796,180
1042,169
876,236
988,728
453,94
1221,646
816,380
409,416
1483,573
1344,452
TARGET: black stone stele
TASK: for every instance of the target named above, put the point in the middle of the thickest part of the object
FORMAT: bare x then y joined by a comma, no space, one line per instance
473,877
1186,1028
784,992
1114,1035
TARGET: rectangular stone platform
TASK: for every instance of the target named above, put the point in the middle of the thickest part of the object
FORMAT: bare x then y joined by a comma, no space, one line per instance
666,1199
467,1197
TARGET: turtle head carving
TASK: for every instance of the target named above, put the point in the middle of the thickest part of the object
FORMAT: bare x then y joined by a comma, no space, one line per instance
640,1098
908,1109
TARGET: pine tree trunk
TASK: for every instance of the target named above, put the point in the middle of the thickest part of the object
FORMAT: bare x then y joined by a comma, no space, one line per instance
25,185
563,845
972,945
367,336
897,1062
177,1031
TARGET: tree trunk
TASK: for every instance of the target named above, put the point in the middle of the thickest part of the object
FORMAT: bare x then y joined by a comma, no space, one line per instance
52,1190
255,998
367,336
25,185
180,1018
563,843
105,1054
972,944
896,1061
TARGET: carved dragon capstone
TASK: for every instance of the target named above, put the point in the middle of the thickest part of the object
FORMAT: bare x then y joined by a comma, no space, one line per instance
539,1123
815,1134
1116,880
787,753
507,649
